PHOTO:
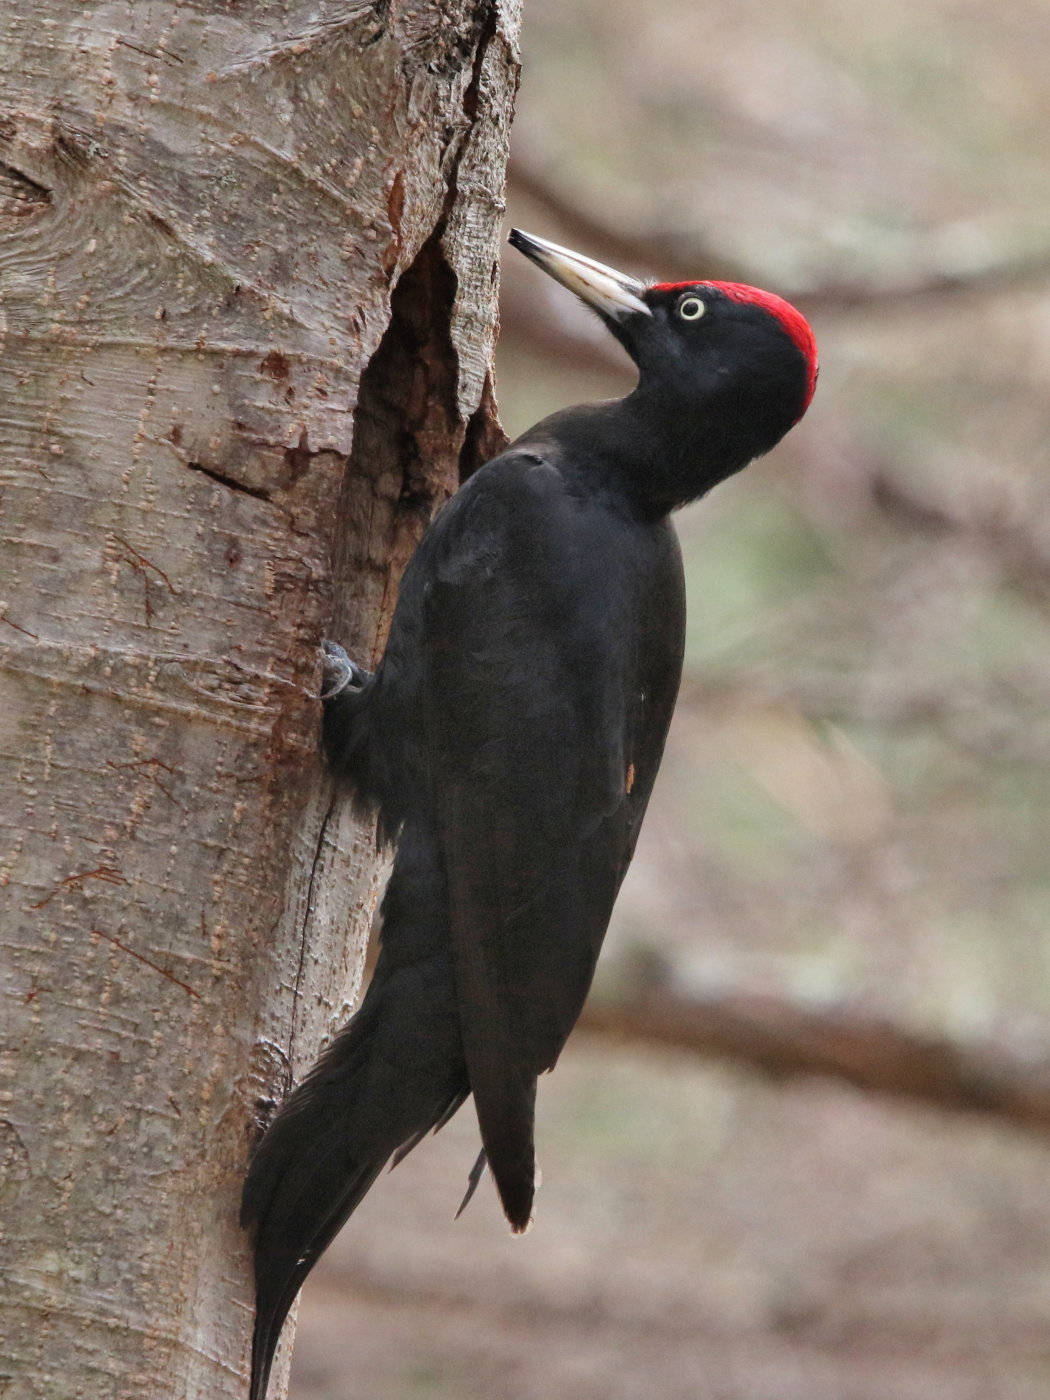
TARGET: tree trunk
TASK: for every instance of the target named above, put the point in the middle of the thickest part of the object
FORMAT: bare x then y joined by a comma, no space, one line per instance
248,260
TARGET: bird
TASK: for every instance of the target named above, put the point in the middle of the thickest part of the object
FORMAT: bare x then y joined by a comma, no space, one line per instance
507,744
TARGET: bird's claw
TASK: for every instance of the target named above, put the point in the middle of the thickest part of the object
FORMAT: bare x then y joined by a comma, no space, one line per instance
338,672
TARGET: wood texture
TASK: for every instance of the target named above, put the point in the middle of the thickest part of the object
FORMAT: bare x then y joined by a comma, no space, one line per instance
247,278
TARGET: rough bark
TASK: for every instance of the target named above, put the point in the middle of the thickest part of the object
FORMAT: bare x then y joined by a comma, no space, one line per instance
248,261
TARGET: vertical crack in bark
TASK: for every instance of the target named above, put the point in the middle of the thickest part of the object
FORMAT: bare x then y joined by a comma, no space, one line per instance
311,885
409,425
405,455
408,434
484,438
411,446
486,30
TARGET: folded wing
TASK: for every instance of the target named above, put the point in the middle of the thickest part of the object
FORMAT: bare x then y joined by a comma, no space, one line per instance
546,709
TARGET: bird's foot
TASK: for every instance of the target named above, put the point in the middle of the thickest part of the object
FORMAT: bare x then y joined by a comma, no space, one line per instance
339,673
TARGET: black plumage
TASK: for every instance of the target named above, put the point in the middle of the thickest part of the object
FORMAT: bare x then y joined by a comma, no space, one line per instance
509,740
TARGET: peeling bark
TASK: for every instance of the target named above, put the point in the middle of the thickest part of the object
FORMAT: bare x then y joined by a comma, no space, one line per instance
247,304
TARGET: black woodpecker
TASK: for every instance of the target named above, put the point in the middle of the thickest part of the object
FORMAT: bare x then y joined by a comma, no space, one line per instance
508,741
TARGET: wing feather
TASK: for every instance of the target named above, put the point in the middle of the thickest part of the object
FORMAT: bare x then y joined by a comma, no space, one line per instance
544,732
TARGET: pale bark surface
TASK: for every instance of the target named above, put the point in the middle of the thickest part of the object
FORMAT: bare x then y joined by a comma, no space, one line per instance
220,436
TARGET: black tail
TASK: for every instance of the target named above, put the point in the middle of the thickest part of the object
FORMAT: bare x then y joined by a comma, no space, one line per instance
395,1072
506,1104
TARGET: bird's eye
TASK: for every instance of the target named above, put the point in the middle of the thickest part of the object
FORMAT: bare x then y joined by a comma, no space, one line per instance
691,309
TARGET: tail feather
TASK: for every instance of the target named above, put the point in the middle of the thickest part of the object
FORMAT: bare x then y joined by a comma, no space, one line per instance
506,1105
396,1071
278,1286
453,1108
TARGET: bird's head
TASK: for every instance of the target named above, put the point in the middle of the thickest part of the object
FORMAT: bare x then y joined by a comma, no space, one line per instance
735,366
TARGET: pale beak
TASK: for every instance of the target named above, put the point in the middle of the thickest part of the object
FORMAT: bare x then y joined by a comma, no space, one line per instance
601,287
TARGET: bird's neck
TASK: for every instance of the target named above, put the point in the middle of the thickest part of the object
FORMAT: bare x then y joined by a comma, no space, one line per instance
652,449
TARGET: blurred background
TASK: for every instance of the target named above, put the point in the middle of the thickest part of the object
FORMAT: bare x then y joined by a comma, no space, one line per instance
799,1150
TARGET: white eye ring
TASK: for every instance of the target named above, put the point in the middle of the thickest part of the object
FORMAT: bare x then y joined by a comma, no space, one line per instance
691,309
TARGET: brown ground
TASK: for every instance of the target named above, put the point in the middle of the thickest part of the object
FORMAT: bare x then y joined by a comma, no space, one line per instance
701,1236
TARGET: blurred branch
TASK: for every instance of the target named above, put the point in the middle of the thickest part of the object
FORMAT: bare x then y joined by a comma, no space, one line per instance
1022,557
597,238
929,287
1001,722
786,1039
675,262
999,717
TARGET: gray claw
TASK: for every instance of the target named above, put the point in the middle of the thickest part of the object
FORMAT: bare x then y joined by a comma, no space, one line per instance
339,673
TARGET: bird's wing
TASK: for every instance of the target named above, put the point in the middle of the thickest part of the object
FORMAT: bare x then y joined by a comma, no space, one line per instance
542,756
